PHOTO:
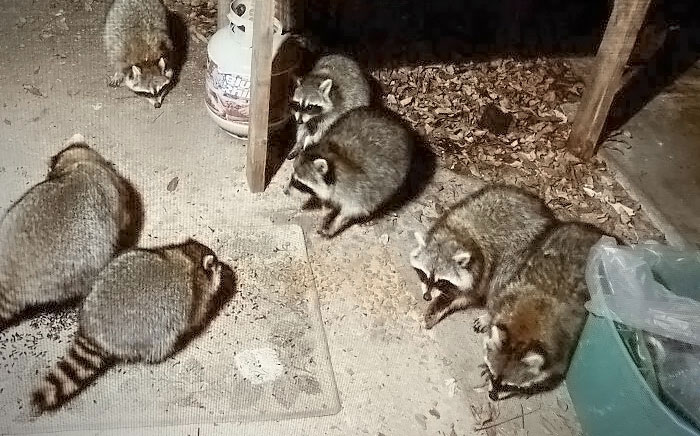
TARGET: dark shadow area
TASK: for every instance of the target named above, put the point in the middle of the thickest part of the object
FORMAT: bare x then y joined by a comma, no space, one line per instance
129,236
181,41
680,51
279,145
37,310
419,32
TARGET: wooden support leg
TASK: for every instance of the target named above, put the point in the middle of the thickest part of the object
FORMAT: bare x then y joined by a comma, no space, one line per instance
614,52
261,77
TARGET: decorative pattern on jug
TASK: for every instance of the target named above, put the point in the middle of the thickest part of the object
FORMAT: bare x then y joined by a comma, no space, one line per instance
228,94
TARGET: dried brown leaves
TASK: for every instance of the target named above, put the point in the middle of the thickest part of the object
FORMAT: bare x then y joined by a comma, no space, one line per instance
446,103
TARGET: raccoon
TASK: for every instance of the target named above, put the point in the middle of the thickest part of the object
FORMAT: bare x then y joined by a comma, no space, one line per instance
335,85
139,47
535,320
475,246
144,306
357,167
63,231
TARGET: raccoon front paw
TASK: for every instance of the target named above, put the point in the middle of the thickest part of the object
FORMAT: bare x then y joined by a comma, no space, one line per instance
485,371
116,80
294,153
326,232
481,324
429,321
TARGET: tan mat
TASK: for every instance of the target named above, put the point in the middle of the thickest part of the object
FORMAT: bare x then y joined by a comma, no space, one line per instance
264,357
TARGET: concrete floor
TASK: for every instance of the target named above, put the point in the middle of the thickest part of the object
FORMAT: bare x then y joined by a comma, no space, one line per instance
660,160
393,377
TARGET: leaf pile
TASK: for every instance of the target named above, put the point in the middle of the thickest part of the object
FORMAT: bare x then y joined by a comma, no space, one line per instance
446,103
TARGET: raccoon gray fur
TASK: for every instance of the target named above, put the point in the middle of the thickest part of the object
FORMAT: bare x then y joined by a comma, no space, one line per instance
358,166
335,85
475,246
139,47
534,321
144,306
63,231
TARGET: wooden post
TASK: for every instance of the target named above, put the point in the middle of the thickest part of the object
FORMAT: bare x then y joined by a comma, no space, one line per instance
620,35
261,77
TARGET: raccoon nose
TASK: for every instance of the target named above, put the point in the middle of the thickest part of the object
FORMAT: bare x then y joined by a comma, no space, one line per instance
300,120
427,296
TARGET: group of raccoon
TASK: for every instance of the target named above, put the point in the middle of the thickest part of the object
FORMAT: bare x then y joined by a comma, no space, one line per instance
500,247
73,237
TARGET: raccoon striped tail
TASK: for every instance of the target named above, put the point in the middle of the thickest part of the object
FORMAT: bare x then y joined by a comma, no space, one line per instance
83,364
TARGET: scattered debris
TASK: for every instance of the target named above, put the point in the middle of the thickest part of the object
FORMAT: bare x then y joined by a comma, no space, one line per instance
172,185
521,417
451,387
32,90
421,419
434,412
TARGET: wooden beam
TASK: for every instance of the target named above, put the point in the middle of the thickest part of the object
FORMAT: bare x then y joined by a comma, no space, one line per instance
261,76
620,35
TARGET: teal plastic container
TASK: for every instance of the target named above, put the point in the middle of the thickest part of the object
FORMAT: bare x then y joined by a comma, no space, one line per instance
610,395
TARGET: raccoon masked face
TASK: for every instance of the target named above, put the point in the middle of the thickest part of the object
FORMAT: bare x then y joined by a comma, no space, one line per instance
513,366
442,266
149,80
314,173
311,99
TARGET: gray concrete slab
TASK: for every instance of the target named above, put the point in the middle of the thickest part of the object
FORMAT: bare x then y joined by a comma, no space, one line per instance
659,160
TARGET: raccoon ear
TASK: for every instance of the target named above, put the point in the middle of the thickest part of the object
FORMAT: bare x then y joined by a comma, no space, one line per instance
462,258
161,64
297,81
325,87
420,238
321,166
136,71
168,73
534,360
208,262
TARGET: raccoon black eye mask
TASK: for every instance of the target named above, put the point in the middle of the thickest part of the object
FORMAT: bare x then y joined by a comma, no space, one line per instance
311,109
444,286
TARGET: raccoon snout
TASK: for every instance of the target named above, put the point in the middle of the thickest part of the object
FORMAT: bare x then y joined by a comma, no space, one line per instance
427,296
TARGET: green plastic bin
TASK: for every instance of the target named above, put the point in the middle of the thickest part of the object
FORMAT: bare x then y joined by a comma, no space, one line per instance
610,395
